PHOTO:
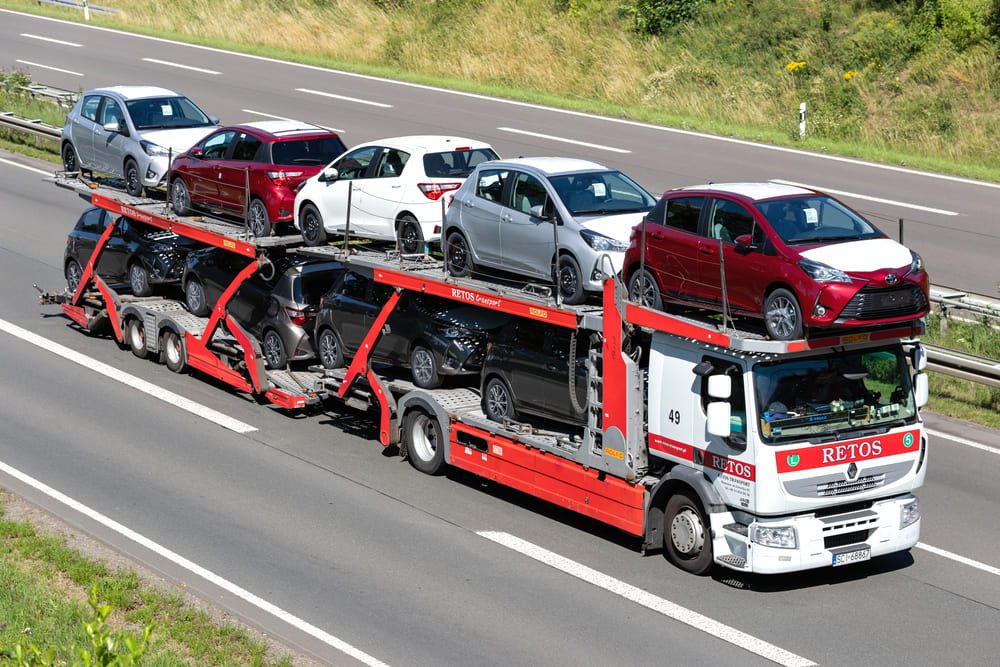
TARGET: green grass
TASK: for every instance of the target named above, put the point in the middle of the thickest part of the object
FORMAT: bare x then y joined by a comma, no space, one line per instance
43,589
959,398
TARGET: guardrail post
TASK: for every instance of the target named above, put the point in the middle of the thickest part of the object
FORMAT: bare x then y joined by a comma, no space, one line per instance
900,231
86,10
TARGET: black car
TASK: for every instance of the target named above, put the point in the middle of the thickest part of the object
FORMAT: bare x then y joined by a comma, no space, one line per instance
277,304
137,254
527,371
429,335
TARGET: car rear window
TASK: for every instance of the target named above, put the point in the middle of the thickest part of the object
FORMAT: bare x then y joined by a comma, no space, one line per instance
456,164
313,283
315,151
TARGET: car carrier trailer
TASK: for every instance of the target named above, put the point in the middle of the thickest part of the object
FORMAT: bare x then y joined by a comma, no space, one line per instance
686,444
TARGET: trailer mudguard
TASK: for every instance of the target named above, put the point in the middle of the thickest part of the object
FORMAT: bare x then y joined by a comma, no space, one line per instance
679,476
422,400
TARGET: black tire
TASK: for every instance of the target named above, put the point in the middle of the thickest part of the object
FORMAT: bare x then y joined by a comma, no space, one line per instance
424,442
135,336
329,349
138,279
498,401
180,197
274,350
410,235
194,297
424,368
687,535
782,315
133,179
569,281
70,162
257,219
457,256
311,225
73,273
172,351
642,289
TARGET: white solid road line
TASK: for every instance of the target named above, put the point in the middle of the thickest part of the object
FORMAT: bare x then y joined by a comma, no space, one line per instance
26,167
928,209
563,140
180,66
194,568
344,97
54,69
50,39
962,441
132,381
637,595
294,120
960,559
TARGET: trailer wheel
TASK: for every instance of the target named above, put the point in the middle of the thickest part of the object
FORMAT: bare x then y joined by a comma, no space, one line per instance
424,442
173,351
135,334
687,536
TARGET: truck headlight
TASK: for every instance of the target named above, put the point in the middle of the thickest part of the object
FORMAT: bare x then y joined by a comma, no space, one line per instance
782,537
602,243
909,514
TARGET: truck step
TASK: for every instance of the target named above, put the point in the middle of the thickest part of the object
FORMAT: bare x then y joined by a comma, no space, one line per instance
733,561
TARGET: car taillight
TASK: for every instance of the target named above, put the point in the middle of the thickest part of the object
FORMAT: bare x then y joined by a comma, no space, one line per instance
281,177
296,316
434,191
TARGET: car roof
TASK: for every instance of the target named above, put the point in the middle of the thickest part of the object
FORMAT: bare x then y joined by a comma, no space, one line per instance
283,129
428,143
136,92
753,191
551,166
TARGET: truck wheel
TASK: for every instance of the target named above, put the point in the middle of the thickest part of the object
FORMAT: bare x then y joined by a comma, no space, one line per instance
424,442
687,535
424,368
173,351
498,403
135,334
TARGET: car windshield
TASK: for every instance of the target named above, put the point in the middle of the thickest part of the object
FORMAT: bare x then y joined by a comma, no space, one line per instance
456,164
828,397
166,113
815,219
601,193
312,151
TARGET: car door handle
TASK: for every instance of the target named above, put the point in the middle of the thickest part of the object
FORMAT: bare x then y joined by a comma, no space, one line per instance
551,367
706,251
468,204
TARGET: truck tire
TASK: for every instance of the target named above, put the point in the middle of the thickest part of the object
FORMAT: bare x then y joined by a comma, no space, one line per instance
424,442
172,351
687,535
135,336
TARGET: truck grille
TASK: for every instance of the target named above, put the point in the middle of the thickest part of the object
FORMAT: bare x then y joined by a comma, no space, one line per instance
845,486
843,539
875,303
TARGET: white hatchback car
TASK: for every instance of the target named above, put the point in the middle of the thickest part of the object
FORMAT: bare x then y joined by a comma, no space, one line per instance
396,186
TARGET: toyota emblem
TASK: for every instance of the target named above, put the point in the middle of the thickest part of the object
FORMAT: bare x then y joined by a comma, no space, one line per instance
891,279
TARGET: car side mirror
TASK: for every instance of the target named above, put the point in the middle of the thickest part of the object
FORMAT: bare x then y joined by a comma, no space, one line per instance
744,244
118,126
328,175
538,211
214,120
197,152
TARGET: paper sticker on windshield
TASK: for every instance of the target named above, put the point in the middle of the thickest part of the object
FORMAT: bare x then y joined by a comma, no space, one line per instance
166,110
600,190
812,216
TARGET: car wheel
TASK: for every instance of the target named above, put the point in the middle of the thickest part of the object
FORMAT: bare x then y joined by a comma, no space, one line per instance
642,289
180,197
74,273
135,334
311,224
498,402
274,350
138,278
424,442
133,181
172,351
331,352
194,297
424,368
258,220
70,163
411,237
570,281
687,538
782,315
457,256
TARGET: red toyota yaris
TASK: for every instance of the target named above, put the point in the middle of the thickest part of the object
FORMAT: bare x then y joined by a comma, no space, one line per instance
797,258
272,156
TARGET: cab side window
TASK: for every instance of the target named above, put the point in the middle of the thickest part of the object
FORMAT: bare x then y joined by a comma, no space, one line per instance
490,183
737,399
683,213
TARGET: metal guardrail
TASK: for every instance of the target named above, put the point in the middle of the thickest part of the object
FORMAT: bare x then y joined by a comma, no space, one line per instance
955,300
965,366
31,126
85,6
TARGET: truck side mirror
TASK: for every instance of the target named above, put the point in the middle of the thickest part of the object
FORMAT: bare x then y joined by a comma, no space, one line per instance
921,389
919,358
719,415
328,175
720,387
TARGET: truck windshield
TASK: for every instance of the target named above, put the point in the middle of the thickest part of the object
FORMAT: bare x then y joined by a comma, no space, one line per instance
827,397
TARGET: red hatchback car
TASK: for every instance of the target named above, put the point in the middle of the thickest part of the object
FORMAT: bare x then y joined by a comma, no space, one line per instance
273,156
797,258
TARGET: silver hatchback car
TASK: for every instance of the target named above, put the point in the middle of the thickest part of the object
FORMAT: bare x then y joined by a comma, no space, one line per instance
509,215
131,132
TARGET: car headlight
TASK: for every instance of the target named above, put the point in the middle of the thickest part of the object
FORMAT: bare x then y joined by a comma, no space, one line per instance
602,243
454,332
154,150
822,273
909,514
917,265
782,537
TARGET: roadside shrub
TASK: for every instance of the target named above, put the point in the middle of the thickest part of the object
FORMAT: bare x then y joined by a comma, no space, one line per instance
961,22
657,17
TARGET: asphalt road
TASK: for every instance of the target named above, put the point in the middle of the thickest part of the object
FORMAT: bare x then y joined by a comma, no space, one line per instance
308,514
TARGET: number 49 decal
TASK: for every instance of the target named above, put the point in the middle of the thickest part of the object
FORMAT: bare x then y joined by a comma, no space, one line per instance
674,416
